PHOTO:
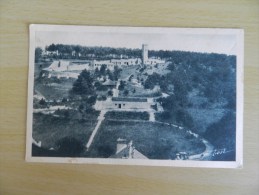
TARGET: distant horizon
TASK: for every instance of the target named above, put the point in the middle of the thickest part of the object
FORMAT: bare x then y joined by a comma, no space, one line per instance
139,49
202,43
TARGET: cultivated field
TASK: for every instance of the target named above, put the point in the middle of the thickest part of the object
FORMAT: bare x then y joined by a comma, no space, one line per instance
154,140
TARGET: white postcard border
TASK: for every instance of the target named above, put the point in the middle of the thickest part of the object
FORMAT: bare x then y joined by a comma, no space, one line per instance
172,163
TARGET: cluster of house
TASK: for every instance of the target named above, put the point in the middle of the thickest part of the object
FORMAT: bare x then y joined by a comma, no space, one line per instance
63,65
49,53
46,53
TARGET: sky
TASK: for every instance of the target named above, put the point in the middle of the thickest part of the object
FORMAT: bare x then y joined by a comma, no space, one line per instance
206,43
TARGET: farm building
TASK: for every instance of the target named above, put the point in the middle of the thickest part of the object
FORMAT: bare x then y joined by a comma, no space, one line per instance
98,64
63,65
119,103
126,62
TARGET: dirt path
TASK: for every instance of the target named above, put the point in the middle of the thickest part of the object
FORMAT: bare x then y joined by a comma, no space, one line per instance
206,155
39,95
152,116
100,120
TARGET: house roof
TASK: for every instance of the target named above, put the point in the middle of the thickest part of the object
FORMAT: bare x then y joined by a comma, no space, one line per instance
128,151
109,82
129,99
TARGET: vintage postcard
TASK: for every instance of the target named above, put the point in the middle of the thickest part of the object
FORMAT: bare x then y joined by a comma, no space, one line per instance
135,96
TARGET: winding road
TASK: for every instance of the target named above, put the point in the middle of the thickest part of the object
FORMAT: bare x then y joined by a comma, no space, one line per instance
206,155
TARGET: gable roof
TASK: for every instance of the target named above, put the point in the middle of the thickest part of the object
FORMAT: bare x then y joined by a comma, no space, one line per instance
109,83
128,152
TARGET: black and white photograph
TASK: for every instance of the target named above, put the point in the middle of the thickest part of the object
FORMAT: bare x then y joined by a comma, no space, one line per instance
135,96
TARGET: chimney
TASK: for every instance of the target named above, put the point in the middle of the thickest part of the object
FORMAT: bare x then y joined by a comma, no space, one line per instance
121,144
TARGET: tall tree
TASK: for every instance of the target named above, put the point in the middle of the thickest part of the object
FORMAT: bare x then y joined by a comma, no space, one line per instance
38,53
103,69
84,84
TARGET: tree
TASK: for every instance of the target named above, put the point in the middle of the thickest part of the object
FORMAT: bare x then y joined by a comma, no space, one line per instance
126,92
69,147
84,84
42,102
110,93
103,69
96,72
78,49
116,73
38,53
91,100
51,47
222,133
80,108
110,75
66,114
152,80
121,86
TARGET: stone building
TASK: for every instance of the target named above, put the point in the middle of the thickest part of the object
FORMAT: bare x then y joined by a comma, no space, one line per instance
149,61
121,103
144,53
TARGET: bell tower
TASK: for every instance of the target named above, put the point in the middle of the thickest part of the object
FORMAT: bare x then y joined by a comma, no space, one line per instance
144,53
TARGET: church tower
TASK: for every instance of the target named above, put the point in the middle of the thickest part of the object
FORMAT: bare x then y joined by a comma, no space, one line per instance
144,53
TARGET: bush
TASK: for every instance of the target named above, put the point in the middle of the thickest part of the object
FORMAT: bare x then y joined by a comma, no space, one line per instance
222,134
110,93
121,86
69,147
91,100
42,102
101,98
126,92
125,115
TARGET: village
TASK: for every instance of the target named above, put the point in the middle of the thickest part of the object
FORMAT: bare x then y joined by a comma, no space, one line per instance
117,102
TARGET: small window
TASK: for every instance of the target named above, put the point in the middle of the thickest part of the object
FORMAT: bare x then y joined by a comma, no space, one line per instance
115,104
123,104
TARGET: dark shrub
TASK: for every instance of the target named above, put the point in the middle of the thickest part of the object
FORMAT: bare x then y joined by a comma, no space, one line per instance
69,147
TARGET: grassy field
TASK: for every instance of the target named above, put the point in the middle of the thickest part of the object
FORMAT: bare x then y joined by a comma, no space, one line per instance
49,129
159,69
205,117
124,115
129,70
156,141
54,90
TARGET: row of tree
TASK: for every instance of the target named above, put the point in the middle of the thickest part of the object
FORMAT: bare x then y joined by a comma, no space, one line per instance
97,51
110,52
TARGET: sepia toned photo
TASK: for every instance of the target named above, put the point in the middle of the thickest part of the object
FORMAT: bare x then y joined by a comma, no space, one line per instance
135,96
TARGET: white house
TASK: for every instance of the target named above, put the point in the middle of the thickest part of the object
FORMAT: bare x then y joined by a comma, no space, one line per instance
47,53
98,64
126,62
